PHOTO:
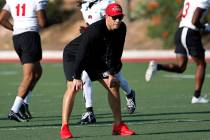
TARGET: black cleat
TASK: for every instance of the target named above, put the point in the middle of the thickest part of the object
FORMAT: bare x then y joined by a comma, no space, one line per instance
16,116
131,102
24,111
88,118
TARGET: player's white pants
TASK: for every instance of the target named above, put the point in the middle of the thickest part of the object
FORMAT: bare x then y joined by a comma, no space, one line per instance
87,87
123,83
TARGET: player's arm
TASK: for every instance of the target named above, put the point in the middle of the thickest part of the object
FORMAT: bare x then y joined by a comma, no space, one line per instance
41,13
179,15
196,18
42,18
4,20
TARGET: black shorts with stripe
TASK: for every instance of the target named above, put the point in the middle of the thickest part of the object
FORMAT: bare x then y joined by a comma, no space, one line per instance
28,47
188,41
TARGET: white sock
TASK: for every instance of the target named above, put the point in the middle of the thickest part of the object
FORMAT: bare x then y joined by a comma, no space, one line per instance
87,89
17,104
123,83
27,98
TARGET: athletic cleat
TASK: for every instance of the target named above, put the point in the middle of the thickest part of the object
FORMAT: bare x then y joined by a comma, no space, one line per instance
131,102
27,112
151,70
65,133
16,116
200,100
88,118
122,129
24,112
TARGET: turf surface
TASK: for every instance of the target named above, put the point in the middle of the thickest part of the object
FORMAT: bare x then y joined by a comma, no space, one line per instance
163,109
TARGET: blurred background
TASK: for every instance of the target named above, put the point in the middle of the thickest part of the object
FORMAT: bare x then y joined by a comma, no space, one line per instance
151,24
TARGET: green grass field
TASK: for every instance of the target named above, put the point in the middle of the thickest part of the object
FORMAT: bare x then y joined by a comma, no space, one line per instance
163,109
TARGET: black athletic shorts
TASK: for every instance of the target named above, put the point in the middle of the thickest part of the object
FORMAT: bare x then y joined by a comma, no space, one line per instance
28,47
188,41
68,67
69,63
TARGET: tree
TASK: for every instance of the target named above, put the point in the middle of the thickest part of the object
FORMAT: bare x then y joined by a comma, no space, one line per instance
126,8
2,3
162,14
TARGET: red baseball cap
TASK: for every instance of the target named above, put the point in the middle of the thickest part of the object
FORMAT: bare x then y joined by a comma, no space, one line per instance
114,9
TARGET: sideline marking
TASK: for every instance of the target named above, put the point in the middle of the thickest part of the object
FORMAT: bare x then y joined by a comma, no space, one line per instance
98,125
128,56
183,76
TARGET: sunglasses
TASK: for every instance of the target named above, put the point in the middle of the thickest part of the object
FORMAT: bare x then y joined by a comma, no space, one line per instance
120,17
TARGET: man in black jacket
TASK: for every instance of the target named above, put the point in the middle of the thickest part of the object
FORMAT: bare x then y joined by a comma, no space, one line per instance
98,51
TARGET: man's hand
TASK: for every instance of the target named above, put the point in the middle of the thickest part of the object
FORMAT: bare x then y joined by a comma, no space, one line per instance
179,15
113,82
78,85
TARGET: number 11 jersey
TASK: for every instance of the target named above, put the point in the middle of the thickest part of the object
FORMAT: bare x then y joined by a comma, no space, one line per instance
23,13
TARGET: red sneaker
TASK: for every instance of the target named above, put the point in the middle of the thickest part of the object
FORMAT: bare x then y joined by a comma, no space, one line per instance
65,133
122,129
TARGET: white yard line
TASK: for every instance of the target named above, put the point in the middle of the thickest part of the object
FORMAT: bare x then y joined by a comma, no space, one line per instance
95,125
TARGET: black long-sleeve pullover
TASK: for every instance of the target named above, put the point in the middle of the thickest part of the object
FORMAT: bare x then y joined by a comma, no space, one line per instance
97,48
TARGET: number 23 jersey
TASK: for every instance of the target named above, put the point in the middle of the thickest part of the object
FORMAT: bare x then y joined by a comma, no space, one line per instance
189,10
23,13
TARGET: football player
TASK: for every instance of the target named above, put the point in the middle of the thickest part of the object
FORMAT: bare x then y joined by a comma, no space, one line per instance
28,17
188,42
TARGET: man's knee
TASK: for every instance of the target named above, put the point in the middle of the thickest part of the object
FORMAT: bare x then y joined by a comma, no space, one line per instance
203,64
28,77
38,75
182,68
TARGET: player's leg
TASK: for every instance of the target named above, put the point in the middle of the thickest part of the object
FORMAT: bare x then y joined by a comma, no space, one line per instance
178,67
123,83
68,103
88,116
130,94
199,79
114,100
37,72
199,58
69,96
87,91
181,57
28,76
119,128
31,42
22,90
197,53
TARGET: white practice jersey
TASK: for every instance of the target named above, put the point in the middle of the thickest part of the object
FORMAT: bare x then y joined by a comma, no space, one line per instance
188,12
96,12
23,13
